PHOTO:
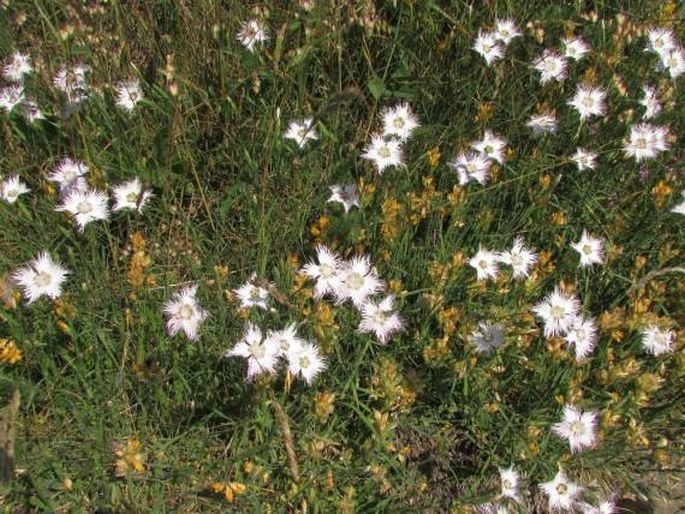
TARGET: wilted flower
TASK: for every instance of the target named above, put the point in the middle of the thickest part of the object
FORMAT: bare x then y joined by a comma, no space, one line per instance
11,96
19,66
489,337
542,123
651,102
680,208
348,195
128,94
251,33
657,341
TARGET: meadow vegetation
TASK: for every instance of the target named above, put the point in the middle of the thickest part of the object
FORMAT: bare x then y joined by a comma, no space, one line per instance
380,256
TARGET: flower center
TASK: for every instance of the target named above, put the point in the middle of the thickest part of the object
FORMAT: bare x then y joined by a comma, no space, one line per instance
325,271
254,293
85,207
577,428
580,334
42,279
398,122
132,198
305,362
11,193
185,311
516,260
550,65
355,281
507,484
380,317
69,176
588,101
641,143
258,351
483,264
301,132
557,312
384,152
587,249
562,489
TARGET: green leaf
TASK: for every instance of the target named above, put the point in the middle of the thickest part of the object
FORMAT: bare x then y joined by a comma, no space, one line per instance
377,88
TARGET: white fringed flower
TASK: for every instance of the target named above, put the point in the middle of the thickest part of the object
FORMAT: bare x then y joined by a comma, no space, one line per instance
380,319
184,313
41,277
485,263
306,362
591,249
85,205
261,353
384,152
130,195
12,187
301,132
657,341
326,272
580,428
558,311
561,492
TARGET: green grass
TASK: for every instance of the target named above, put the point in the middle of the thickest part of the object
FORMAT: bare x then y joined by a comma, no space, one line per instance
231,191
